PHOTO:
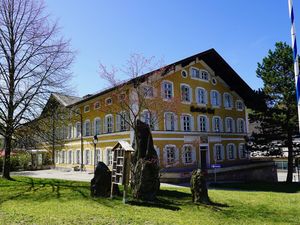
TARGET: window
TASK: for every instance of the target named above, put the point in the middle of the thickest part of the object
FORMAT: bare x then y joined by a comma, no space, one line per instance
97,126
184,74
215,98
98,156
239,105
231,151
63,157
167,90
186,121
87,128
149,118
201,96
169,121
217,124
219,152
185,93
78,157
170,154
109,157
78,129
122,121
195,73
148,91
229,125
242,151
70,128
57,157
70,157
86,108
228,102
96,105
108,101
240,125
214,81
187,154
204,75
108,124
87,157
203,123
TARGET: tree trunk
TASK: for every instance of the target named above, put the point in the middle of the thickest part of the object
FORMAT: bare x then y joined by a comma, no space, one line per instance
289,178
6,159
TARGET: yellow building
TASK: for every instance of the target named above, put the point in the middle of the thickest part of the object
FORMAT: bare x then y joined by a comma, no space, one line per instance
207,124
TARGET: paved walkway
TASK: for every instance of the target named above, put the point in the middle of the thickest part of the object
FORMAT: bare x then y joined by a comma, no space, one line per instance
69,175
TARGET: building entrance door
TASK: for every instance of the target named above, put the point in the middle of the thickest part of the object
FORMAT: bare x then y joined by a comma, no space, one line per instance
204,157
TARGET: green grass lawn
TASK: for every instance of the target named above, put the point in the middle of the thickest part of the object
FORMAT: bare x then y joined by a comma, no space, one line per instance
46,201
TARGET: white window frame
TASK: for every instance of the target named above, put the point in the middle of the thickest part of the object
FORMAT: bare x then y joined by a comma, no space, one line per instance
186,73
189,96
78,131
237,105
121,122
98,155
212,98
166,121
183,125
95,126
108,129
170,96
192,154
221,153
95,105
214,124
86,108
168,162
150,119
206,123
227,130
242,150
239,122
70,131
228,100
229,145
204,97
107,99
85,133
87,157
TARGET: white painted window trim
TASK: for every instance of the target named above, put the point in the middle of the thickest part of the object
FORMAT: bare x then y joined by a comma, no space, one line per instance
85,110
185,73
226,125
70,134
213,124
236,105
84,126
231,100
190,94
219,98
238,121
176,155
191,122
105,127
240,151
95,103
97,119
207,123
234,151
197,96
163,91
193,154
78,133
107,100
175,121
222,153
200,71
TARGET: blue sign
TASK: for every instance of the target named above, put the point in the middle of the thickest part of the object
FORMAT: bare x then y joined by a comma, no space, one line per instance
215,166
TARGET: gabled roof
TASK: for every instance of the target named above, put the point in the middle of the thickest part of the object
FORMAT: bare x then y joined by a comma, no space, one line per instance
125,145
212,58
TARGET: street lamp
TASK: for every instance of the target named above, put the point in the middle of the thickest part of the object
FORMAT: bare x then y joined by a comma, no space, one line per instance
95,141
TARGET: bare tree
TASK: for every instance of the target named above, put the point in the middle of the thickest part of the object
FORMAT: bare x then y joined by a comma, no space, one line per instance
140,98
34,61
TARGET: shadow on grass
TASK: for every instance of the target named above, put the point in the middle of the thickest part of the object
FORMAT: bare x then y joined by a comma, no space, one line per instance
173,194
162,204
260,186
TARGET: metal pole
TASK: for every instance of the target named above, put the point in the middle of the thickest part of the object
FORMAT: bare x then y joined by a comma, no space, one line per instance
295,55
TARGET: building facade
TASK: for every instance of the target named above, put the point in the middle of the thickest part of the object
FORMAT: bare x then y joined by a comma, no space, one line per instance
206,125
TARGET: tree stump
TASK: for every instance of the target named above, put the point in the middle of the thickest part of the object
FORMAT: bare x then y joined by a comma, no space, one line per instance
199,187
101,182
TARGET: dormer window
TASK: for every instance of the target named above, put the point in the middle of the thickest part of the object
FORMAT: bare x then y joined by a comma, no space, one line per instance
199,74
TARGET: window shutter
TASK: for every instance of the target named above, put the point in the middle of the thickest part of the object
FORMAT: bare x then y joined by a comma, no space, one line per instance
105,125
181,123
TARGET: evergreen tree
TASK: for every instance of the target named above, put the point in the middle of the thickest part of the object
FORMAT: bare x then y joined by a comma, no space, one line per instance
277,117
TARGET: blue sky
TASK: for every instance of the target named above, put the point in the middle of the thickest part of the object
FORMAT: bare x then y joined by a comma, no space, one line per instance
109,31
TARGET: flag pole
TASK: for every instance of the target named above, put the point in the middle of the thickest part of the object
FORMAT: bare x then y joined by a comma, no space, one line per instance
295,56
